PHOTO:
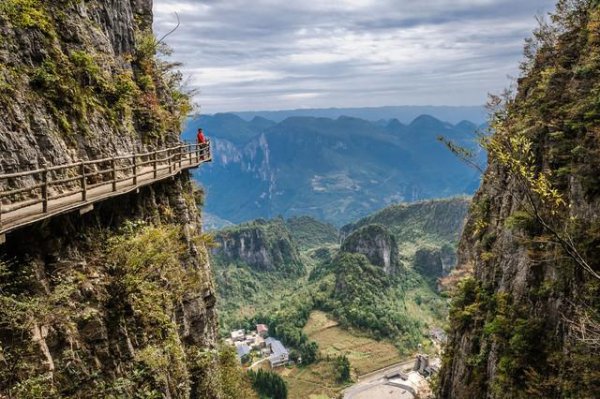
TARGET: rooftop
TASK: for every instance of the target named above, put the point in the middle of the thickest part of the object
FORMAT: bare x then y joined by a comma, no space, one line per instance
242,350
276,347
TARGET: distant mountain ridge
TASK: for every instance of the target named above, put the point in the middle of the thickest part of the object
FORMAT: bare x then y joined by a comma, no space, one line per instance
336,170
405,114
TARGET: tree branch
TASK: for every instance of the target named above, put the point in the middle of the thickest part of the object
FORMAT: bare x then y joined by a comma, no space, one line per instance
160,41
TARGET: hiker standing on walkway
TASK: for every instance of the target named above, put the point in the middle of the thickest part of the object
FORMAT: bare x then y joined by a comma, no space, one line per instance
201,139
200,136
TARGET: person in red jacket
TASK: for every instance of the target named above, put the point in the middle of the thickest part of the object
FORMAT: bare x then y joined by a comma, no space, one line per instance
200,137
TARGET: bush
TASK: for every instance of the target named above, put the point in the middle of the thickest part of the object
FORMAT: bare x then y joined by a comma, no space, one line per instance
268,384
342,369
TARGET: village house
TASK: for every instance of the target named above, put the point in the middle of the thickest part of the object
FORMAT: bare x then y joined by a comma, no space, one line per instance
245,343
242,350
279,355
262,330
255,341
238,335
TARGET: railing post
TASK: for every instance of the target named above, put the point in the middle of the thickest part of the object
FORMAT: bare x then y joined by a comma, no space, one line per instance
134,169
113,163
155,170
170,157
45,189
83,182
189,151
181,156
197,153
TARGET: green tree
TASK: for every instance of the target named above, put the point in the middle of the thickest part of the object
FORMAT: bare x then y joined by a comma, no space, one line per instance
342,368
268,384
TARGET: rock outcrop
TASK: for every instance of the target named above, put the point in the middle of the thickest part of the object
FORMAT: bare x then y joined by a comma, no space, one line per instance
526,324
262,245
377,244
79,81
434,263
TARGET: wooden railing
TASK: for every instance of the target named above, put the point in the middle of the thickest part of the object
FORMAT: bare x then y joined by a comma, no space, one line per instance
91,180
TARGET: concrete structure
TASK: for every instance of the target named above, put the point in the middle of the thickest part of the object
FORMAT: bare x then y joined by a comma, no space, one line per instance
424,367
238,335
258,343
413,383
279,355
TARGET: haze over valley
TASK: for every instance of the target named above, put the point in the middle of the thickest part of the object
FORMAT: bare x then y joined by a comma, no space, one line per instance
336,170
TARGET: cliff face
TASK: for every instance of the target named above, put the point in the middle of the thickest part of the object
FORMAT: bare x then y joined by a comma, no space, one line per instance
262,245
435,262
377,244
83,305
79,80
118,302
526,324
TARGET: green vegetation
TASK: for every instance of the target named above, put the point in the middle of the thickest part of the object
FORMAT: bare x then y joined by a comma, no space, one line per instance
342,368
533,307
137,282
286,323
218,374
268,384
311,233
377,316
262,245
359,295
363,296
432,224
25,14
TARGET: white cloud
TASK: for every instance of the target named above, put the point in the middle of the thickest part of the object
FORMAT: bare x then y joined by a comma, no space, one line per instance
272,54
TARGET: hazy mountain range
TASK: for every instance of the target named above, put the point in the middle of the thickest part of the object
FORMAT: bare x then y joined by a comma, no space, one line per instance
336,170
404,114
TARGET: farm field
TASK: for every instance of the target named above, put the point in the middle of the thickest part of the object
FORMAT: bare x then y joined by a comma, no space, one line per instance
317,381
365,354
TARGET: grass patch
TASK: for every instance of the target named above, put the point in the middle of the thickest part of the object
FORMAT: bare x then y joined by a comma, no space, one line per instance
365,354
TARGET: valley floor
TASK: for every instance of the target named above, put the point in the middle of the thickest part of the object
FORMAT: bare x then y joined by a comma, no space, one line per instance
366,355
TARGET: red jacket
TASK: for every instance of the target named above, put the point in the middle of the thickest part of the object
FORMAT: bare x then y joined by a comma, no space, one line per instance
201,138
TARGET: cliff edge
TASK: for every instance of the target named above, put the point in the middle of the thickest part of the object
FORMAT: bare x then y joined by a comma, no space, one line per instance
526,324
118,302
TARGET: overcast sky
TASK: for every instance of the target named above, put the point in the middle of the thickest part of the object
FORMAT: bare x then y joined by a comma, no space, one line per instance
282,54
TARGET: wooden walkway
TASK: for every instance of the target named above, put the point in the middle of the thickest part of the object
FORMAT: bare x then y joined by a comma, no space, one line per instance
43,193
